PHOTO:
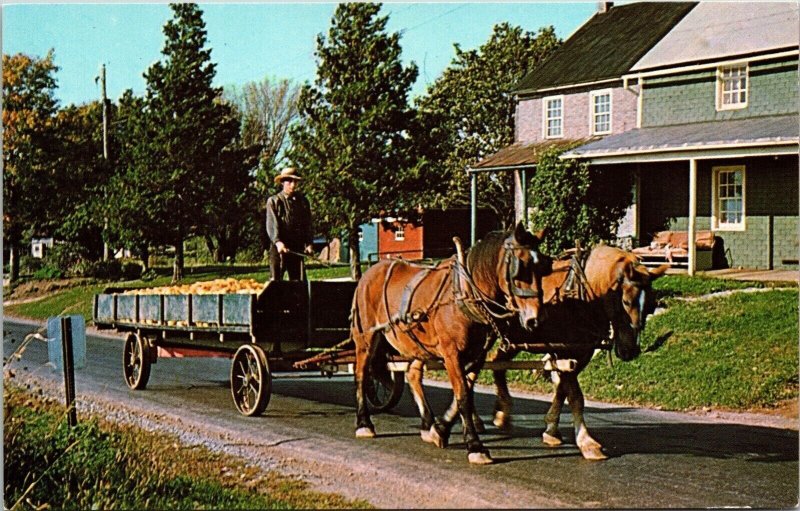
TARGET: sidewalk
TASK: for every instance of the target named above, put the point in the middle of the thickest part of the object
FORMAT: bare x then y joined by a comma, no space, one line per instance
756,275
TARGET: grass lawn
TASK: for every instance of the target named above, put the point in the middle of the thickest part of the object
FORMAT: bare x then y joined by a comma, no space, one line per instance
102,465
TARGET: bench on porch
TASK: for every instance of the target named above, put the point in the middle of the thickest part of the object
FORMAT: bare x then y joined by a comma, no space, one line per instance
673,247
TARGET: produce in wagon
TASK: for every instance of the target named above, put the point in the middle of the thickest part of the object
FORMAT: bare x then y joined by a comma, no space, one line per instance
212,287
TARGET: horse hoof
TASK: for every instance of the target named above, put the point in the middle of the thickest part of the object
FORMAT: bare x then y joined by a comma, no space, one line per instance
593,453
432,436
365,432
480,458
502,421
551,440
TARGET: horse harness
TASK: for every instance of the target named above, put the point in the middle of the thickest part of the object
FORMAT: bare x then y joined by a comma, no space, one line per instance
471,301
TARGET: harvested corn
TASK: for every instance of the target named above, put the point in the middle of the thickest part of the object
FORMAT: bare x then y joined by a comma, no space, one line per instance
212,287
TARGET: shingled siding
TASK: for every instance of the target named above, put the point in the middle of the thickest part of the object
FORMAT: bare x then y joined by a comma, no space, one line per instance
770,239
688,98
530,123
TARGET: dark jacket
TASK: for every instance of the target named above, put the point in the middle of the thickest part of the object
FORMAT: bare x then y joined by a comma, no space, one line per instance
289,220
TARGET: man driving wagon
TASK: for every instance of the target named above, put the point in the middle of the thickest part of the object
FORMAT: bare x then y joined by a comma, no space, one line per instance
288,227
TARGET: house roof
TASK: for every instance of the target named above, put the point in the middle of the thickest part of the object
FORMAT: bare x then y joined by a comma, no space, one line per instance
778,130
521,155
715,30
607,45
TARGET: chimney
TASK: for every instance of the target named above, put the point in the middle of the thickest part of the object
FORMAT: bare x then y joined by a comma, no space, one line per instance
604,7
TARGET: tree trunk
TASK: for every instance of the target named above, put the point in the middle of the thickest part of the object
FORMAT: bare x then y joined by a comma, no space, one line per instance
144,249
213,250
177,267
355,258
14,262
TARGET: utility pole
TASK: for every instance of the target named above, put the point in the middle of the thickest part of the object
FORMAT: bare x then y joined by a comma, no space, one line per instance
105,147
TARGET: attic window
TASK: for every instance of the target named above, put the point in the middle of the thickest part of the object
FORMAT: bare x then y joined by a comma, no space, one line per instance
554,117
732,87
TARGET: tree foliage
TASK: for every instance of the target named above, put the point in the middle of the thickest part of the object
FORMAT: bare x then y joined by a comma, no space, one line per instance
354,136
184,165
577,202
29,143
468,114
81,178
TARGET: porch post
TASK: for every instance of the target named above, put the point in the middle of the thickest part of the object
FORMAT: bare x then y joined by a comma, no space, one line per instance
692,215
523,179
473,207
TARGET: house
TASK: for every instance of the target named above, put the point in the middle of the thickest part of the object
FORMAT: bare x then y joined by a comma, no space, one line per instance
699,101
715,145
428,233
579,94
40,246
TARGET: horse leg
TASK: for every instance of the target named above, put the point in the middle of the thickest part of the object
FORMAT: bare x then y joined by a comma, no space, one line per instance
427,431
590,448
477,453
364,426
552,435
503,402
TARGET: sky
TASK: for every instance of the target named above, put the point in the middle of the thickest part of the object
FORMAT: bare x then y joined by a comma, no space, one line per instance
251,41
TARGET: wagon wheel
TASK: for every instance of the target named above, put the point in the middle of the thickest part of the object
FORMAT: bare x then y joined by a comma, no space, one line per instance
251,381
136,361
384,389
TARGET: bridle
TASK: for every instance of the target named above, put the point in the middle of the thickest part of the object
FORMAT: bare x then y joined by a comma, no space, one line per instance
516,271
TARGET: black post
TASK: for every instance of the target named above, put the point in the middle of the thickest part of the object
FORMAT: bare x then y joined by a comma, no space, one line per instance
69,369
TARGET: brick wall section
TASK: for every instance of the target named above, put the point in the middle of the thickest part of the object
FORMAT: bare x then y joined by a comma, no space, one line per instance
771,208
530,123
688,98
409,248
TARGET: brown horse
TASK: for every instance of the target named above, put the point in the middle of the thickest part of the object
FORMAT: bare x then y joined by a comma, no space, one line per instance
607,300
444,312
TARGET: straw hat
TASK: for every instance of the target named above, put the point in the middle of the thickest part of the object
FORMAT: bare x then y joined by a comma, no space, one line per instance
287,173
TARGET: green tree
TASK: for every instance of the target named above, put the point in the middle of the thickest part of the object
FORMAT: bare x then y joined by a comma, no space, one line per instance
132,193
29,142
353,141
468,114
577,202
81,177
189,127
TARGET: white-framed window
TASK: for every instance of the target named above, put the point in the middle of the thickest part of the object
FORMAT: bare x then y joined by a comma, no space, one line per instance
729,198
600,112
732,87
400,233
553,116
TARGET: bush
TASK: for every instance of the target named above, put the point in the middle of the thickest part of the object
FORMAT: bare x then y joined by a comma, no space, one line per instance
64,256
149,275
106,270
48,272
131,271
30,264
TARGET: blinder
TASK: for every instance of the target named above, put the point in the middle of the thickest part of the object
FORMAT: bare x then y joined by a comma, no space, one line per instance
516,270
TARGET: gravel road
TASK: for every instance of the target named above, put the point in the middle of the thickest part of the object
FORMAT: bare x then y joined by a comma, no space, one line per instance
658,459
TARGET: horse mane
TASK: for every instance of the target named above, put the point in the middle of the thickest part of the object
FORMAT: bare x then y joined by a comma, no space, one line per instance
483,259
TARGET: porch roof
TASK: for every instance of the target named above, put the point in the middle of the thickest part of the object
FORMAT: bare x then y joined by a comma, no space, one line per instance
520,154
767,135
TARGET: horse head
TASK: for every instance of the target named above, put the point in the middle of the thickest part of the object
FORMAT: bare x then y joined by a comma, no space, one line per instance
520,274
630,302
